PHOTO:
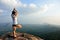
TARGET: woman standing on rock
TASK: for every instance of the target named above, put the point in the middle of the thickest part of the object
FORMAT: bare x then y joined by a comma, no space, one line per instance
15,23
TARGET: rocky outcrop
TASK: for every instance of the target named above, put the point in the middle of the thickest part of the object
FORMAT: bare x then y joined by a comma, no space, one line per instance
20,36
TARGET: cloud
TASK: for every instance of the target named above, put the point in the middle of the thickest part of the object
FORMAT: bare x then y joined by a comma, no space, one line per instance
17,3
44,8
1,11
43,15
32,5
11,3
35,9
25,5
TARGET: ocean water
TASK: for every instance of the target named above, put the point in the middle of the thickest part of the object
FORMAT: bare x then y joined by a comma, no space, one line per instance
45,31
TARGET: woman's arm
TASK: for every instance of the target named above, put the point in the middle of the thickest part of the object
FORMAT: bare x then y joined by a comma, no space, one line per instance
13,15
16,14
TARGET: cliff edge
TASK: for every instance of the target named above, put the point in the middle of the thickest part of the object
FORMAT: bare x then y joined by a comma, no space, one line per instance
20,36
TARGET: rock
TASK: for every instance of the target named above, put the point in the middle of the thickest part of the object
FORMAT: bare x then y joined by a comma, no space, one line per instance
20,36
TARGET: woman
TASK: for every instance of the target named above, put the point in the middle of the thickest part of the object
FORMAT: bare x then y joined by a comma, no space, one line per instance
14,16
15,23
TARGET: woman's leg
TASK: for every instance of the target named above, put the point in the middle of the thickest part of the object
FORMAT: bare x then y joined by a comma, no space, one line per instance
14,31
19,26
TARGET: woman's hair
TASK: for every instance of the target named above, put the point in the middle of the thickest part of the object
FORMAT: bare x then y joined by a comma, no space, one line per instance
14,11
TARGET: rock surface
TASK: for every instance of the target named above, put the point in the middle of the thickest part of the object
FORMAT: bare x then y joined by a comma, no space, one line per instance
20,36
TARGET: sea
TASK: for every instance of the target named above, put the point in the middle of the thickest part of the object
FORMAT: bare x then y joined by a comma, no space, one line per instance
44,31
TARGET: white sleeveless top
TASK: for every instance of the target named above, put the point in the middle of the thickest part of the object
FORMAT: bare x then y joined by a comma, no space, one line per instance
14,18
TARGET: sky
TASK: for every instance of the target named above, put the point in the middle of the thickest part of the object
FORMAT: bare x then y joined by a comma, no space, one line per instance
31,11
